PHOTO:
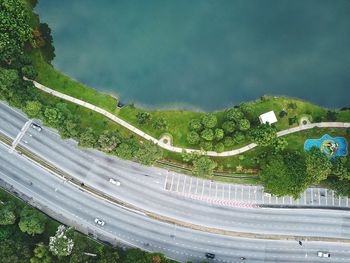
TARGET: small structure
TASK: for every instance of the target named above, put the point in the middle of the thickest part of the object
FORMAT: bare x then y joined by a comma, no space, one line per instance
268,117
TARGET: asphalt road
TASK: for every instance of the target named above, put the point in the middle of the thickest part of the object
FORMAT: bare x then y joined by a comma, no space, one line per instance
144,187
79,209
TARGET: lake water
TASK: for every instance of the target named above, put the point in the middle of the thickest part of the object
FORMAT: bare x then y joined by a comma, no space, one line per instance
205,54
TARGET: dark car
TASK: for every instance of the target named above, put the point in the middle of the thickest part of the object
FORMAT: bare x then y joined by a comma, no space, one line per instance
210,255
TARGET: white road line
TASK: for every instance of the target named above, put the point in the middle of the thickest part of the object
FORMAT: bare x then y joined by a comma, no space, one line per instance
178,183
229,191
172,183
347,201
339,204
166,180
312,196
183,188
216,190
210,188
223,191
304,197
189,190
319,197
202,189
197,185
326,195
242,193
235,192
332,198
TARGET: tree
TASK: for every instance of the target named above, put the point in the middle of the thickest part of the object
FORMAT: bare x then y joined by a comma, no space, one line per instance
238,137
233,114
46,42
228,141
8,213
243,124
207,134
193,138
206,145
279,144
285,175
108,255
69,128
203,166
219,134
9,81
247,109
331,116
15,30
62,243
219,147
264,135
14,251
229,126
33,109
340,169
125,151
160,124
135,255
31,221
195,125
41,254
209,120
87,138
318,166
148,153
29,72
108,140
143,117
53,117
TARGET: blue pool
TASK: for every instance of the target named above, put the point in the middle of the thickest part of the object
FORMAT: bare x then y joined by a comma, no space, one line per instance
332,147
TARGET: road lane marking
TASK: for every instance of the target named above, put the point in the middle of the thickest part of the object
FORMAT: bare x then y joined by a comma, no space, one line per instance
332,198
197,185
210,188
242,193
178,183
235,192
319,197
304,197
326,195
223,191
172,182
202,189
166,180
183,188
312,196
216,190
339,204
189,191
229,191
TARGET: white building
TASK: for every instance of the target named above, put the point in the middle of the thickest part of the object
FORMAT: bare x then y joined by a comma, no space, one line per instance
268,117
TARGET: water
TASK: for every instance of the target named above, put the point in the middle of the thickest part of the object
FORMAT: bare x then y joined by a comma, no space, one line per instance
206,54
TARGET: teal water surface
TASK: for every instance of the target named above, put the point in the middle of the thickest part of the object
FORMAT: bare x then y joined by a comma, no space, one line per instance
206,54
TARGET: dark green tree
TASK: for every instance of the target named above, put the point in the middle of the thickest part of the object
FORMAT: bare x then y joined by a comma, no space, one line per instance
148,153
209,120
143,117
233,114
193,138
33,109
32,221
243,124
318,166
203,166
229,127
160,124
7,213
219,134
195,125
87,138
264,135
207,134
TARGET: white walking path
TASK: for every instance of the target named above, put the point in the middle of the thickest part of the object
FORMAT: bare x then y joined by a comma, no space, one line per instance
178,149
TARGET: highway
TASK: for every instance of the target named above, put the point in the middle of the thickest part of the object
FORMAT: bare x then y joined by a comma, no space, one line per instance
144,187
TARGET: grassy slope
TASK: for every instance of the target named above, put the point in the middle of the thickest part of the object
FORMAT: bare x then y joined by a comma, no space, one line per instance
177,119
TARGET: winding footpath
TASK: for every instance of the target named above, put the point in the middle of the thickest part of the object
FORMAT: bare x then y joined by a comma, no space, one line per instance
178,149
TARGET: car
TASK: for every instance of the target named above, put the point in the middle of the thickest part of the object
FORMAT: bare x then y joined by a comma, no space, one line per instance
210,255
323,254
99,222
36,126
115,182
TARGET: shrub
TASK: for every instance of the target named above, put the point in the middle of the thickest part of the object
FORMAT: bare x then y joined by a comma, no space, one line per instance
209,120
193,138
195,125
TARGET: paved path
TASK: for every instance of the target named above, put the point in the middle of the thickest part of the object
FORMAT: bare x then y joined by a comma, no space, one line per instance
178,149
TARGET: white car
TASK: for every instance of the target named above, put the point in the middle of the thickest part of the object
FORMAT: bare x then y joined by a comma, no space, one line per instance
322,254
99,222
115,182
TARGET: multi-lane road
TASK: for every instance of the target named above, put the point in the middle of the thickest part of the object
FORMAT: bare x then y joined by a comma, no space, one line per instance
146,188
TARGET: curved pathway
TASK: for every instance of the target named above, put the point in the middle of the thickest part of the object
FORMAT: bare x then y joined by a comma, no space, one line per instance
178,149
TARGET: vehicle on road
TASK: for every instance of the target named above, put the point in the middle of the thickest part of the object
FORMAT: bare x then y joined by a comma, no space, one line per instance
36,126
242,258
323,254
99,222
210,255
115,182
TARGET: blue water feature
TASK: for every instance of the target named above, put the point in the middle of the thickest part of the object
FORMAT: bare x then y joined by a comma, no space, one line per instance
332,147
